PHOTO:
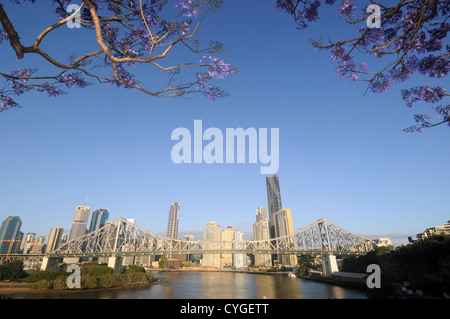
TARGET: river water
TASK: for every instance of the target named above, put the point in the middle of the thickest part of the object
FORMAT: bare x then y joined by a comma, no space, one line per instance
215,285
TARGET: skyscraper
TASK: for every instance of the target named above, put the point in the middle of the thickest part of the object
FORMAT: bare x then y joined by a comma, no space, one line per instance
28,242
238,259
54,239
273,200
99,218
211,236
174,215
79,222
227,243
283,227
261,232
10,234
261,214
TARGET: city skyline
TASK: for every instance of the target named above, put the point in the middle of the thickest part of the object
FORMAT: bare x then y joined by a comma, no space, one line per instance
343,154
282,225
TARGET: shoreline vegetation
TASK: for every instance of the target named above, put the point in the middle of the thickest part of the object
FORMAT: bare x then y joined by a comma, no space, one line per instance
93,276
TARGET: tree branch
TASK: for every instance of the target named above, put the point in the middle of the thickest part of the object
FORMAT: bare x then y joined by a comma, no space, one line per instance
14,38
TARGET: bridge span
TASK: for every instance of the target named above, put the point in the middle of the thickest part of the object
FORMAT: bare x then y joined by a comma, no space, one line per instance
120,239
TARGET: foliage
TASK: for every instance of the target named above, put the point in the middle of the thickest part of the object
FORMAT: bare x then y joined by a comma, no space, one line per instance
46,275
131,34
100,270
52,280
425,263
86,267
410,40
304,263
134,269
161,262
41,285
11,271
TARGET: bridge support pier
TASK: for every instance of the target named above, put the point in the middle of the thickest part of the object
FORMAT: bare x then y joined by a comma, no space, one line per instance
329,265
49,264
116,264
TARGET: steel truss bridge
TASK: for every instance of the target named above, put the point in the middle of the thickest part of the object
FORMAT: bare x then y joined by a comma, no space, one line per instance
122,238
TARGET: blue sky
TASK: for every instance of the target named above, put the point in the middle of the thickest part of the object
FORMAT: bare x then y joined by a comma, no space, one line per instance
343,154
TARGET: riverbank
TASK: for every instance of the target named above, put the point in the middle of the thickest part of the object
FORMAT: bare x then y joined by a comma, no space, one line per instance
14,288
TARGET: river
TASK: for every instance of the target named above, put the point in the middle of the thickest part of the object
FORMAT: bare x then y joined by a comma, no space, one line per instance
214,285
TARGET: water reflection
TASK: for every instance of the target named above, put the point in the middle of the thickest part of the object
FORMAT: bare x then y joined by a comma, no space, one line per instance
216,285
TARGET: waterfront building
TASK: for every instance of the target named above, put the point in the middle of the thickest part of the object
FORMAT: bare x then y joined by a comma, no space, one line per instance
211,235
172,226
238,259
436,230
37,248
226,260
99,219
385,241
10,235
54,239
79,222
284,226
261,233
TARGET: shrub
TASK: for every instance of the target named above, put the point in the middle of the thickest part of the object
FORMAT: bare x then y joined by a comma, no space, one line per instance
89,282
46,275
41,285
60,283
100,270
134,269
11,271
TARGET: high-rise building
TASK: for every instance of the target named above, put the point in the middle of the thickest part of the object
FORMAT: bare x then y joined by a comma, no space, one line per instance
211,235
54,239
226,260
273,200
10,235
174,215
79,222
28,242
261,214
261,233
99,218
283,227
238,259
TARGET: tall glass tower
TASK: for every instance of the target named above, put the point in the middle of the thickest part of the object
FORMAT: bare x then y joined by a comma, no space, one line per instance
99,219
9,233
174,215
273,200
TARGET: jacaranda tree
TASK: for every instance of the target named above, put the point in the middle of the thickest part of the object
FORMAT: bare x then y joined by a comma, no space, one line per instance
128,34
405,37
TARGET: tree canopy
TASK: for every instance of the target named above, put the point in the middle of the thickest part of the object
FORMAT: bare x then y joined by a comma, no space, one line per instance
406,38
409,39
128,34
